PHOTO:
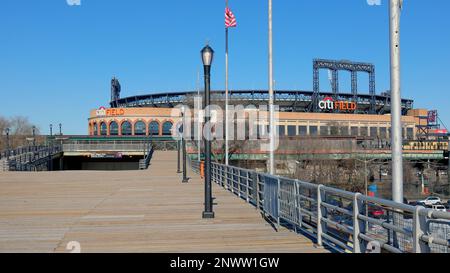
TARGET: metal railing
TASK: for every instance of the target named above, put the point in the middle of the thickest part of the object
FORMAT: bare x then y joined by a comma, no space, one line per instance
20,151
344,221
144,163
32,158
118,146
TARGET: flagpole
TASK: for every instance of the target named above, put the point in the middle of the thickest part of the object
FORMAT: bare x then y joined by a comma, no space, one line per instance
226,92
271,97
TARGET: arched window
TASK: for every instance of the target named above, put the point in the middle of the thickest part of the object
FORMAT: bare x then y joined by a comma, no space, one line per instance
95,129
113,129
139,128
154,128
103,129
126,129
167,128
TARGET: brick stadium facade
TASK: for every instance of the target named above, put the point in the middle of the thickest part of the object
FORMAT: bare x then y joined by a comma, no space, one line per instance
156,121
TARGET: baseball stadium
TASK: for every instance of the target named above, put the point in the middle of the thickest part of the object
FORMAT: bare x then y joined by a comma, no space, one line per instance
301,113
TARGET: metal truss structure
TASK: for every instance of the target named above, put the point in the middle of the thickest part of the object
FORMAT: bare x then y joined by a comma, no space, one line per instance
115,90
287,100
335,67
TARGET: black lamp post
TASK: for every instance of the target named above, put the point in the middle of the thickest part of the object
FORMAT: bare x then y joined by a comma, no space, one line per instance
207,58
178,156
7,143
183,145
51,129
60,129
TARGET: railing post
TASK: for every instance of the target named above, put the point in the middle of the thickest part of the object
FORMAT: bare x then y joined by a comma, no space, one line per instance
223,177
239,184
232,177
247,188
257,185
358,225
298,204
278,202
319,216
419,228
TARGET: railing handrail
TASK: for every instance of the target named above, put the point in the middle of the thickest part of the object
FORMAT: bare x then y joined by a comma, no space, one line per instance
405,228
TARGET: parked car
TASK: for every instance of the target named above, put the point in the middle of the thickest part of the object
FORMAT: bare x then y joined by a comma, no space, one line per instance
420,203
439,208
447,205
376,212
415,203
432,200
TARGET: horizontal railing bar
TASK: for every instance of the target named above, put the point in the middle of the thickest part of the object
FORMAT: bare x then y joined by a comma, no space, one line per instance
343,193
387,203
338,226
382,244
337,242
384,224
430,239
339,209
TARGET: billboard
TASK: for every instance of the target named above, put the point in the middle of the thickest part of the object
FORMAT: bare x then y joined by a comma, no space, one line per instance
432,118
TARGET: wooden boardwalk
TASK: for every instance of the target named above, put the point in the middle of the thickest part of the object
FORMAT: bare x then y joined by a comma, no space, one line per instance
130,211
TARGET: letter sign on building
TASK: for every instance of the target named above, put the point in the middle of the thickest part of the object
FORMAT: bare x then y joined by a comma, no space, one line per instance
103,112
329,104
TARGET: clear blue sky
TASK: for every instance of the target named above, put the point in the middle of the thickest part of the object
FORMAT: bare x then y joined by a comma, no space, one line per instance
56,60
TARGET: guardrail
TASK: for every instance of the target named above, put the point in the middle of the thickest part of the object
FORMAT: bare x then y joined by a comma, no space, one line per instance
31,158
118,146
20,150
344,221
144,163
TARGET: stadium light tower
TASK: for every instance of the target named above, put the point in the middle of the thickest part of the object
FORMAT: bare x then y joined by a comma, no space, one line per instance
395,7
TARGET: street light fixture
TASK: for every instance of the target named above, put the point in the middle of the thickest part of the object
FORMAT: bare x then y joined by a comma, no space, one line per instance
60,129
207,58
34,136
7,143
51,129
183,144
178,156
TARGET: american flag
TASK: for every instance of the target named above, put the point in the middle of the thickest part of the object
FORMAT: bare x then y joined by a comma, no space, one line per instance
230,20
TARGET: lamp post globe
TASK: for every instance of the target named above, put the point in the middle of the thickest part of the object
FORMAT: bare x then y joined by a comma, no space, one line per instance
207,55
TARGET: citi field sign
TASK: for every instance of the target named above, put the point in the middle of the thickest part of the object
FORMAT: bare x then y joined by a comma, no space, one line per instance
103,112
328,103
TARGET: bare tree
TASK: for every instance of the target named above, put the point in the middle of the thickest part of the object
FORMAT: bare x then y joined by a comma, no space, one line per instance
20,129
